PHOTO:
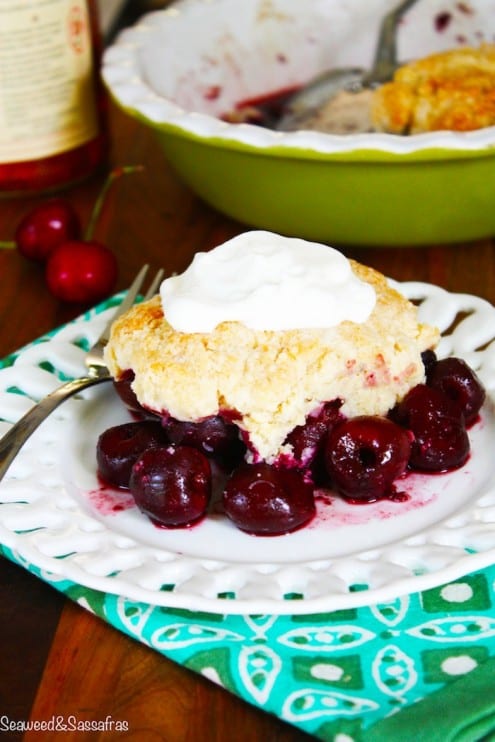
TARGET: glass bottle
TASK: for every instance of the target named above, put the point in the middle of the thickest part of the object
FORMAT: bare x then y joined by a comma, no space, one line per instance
52,103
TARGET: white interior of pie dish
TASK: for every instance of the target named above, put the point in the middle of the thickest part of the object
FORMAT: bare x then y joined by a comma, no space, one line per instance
189,64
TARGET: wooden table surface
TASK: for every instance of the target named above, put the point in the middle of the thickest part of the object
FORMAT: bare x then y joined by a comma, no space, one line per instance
56,659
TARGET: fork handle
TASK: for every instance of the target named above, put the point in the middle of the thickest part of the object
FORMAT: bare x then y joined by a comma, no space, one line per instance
12,442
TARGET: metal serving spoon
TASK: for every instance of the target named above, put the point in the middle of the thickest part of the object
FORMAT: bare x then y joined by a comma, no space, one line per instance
303,105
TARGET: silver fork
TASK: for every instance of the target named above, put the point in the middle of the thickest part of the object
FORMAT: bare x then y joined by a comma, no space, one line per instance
14,439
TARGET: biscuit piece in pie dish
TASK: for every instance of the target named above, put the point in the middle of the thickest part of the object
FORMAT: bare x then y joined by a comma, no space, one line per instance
269,381
451,90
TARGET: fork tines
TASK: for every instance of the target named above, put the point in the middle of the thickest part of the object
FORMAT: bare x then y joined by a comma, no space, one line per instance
154,285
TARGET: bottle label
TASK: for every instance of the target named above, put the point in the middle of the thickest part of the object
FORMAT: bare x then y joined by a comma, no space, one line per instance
47,94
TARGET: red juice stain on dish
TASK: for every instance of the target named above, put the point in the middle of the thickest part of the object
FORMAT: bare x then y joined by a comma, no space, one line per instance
394,496
442,21
213,92
262,110
107,500
333,511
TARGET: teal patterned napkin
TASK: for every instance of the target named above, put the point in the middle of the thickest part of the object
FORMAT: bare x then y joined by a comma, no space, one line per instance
419,667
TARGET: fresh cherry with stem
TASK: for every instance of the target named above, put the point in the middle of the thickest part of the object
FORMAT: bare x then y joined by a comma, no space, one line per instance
42,229
84,270
78,268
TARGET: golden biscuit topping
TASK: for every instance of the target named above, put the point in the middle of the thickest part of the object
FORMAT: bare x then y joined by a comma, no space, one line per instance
270,381
452,90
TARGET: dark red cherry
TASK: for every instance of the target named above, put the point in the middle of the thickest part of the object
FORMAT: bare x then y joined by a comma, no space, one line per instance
46,227
365,455
213,436
440,440
172,486
119,447
458,381
266,501
122,386
429,358
81,272
306,440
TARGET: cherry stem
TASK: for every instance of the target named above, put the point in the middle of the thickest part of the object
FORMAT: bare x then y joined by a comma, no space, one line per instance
100,201
7,245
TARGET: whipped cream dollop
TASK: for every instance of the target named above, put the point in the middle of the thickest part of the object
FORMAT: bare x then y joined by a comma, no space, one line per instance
267,282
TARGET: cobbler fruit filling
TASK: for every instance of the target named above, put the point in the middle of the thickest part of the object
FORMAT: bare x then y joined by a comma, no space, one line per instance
172,485
170,466
261,499
365,455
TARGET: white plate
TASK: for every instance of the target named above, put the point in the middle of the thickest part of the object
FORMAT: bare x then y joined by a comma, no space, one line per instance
56,516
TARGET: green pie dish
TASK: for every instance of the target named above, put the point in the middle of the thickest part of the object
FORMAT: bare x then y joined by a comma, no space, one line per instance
179,70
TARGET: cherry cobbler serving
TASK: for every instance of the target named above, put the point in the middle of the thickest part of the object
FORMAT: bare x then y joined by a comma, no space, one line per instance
275,367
